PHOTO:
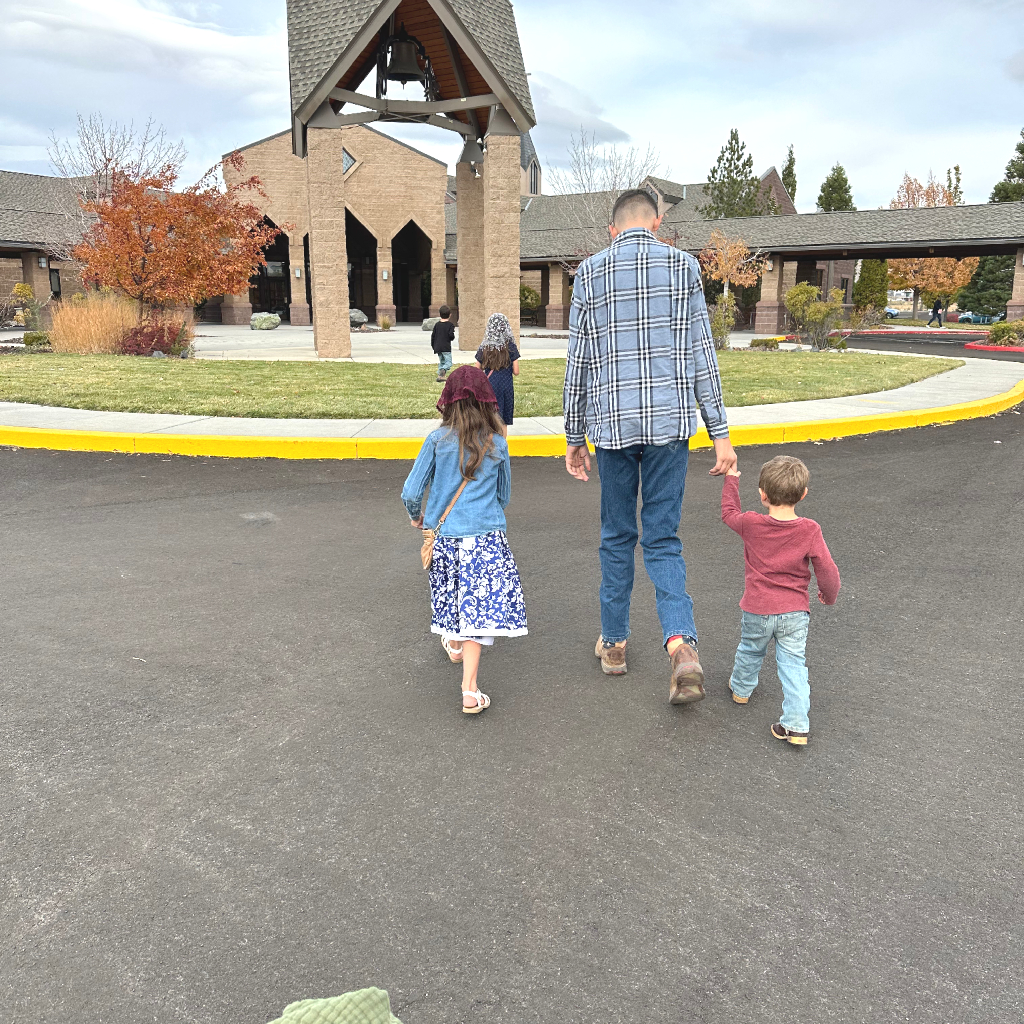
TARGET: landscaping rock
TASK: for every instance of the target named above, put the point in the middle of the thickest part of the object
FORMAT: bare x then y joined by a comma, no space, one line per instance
356,317
428,324
158,355
264,322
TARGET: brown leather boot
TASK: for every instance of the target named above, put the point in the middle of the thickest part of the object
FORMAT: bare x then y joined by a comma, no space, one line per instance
613,659
687,676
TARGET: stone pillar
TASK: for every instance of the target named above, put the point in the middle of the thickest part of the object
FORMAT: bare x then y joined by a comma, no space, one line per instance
1015,307
298,308
545,296
770,312
451,294
502,179
469,219
385,287
438,279
556,312
328,255
236,309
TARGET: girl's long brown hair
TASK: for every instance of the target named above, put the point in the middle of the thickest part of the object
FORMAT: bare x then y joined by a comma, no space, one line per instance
475,424
495,358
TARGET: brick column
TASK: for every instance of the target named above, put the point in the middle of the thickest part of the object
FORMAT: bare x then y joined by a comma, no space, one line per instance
770,312
1015,307
470,227
438,278
236,309
385,289
298,308
502,183
328,255
556,312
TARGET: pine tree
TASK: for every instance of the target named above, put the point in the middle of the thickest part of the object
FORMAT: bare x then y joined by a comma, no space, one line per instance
733,189
992,284
872,287
789,174
835,192
1011,188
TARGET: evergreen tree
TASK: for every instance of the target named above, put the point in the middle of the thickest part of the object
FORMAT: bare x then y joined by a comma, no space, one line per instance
992,284
789,174
733,189
872,287
1011,188
835,192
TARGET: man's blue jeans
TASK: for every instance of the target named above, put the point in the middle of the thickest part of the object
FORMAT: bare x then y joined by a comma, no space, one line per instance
658,473
790,633
444,363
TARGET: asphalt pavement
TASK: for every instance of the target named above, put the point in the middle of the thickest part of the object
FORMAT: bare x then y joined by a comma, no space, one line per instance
236,773
946,349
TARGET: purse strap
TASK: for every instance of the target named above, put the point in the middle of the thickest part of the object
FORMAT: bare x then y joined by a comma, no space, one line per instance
451,504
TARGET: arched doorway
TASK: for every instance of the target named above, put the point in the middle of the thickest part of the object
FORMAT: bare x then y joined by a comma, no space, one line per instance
410,259
361,247
270,288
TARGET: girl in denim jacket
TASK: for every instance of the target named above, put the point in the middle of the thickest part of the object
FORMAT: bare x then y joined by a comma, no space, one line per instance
475,592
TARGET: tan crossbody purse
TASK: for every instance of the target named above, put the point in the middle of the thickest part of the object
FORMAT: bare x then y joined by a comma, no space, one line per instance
429,536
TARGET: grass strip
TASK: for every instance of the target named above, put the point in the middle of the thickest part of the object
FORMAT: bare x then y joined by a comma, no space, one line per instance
308,390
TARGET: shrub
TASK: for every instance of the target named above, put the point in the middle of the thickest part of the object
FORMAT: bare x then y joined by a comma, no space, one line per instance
765,343
384,323
7,312
723,318
867,318
169,333
529,298
814,317
95,323
31,308
1011,333
34,339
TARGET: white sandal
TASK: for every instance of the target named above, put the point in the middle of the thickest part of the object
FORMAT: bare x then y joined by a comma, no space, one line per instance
482,702
454,653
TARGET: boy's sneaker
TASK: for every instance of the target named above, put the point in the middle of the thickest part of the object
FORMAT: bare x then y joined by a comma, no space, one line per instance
687,676
737,698
780,732
613,658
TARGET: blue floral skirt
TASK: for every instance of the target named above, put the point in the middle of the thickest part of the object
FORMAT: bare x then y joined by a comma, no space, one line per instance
475,588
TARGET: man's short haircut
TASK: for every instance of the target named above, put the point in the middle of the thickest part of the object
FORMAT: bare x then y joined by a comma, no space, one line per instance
636,204
784,480
445,312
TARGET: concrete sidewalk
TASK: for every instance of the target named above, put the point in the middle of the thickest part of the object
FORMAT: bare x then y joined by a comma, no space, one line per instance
976,379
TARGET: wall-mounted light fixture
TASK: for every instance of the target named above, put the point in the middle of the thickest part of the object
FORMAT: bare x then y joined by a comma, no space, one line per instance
384,274
298,272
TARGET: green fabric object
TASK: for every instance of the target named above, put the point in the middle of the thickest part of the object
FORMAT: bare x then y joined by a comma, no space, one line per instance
366,1006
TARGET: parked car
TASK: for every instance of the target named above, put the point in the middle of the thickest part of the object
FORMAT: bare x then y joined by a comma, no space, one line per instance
890,313
967,317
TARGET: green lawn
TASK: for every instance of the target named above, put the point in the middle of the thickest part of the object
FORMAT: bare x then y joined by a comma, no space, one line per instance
392,390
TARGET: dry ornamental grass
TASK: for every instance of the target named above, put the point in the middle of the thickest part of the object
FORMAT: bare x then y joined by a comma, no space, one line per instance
92,324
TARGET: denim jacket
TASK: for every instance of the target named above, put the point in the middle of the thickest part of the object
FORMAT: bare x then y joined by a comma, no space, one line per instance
479,508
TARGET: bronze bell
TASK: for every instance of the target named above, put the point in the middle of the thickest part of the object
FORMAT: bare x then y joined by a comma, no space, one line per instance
404,66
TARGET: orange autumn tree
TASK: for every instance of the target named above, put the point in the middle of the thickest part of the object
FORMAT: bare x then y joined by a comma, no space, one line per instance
161,247
940,277
731,262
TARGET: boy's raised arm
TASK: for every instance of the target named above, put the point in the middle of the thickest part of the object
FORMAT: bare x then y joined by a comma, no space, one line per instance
732,511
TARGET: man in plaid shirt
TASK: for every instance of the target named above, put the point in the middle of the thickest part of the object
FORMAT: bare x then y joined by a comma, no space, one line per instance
641,361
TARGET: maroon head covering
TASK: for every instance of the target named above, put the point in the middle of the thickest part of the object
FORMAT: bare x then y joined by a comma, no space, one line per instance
466,382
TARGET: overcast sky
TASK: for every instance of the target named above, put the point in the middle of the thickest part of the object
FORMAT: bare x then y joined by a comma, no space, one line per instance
880,87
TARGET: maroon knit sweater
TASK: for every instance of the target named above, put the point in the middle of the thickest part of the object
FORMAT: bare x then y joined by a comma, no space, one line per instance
778,556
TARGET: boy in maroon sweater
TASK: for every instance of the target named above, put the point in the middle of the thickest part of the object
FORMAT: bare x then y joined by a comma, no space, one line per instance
778,548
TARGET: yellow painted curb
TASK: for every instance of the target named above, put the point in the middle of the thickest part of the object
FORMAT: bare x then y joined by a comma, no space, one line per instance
543,445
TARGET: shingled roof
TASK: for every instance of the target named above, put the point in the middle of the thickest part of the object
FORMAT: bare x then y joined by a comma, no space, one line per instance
33,210
322,32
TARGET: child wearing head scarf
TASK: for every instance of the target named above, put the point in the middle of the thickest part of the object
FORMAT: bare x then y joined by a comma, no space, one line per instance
475,592
498,357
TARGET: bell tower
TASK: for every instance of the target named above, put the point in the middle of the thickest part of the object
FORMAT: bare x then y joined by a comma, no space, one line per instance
465,58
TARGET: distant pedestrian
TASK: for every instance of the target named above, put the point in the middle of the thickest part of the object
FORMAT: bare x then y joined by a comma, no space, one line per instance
498,357
441,338
936,313
779,549
641,362
475,592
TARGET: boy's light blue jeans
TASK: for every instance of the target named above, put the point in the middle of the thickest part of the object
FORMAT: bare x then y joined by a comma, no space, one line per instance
790,633
444,363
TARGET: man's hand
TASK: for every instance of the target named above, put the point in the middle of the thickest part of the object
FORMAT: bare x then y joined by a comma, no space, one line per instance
417,524
577,461
725,455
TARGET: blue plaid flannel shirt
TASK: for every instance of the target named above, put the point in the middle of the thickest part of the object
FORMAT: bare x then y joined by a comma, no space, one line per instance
641,355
